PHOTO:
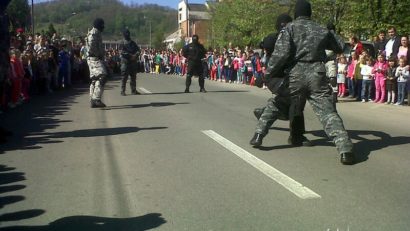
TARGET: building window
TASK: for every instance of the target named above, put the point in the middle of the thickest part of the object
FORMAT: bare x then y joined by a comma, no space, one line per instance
180,17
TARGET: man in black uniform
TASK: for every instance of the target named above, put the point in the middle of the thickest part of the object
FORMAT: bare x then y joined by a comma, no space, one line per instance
129,63
307,42
194,52
279,104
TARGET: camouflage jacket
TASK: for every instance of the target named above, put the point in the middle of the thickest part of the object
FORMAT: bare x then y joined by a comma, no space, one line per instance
94,44
302,41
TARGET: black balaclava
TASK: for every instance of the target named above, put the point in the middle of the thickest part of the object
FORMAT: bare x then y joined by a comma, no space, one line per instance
195,39
269,43
282,20
99,24
303,8
3,5
126,34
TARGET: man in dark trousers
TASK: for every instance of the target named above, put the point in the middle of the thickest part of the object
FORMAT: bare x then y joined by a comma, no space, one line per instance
129,63
278,105
307,42
194,52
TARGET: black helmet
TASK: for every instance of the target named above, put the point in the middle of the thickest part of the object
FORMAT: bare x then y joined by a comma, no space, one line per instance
303,8
99,24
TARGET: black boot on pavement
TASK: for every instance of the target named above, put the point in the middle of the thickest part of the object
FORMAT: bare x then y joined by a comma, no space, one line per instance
256,140
347,158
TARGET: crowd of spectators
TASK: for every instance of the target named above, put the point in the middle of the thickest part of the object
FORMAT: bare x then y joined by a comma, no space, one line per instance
43,64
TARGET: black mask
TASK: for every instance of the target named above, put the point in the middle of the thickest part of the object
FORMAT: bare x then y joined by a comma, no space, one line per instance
99,24
282,20
195,39
303,8
126,34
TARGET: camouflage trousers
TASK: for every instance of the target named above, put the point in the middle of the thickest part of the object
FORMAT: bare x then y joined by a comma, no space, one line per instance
98,75
276,108
309,81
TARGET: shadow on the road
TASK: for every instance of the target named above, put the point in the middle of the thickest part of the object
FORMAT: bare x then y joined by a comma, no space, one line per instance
38,116
192,92
8,176
93,223
156,104
362,149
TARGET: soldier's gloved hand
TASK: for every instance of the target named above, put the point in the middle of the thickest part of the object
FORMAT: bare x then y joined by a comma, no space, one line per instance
259,82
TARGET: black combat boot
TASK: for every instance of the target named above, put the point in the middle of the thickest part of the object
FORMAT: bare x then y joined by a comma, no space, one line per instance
258,112
202,90
135,92
256,140
98,104
301,141
186,90
347,158
123,93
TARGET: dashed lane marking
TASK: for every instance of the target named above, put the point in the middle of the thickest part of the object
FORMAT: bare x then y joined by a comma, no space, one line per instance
145,90
295,187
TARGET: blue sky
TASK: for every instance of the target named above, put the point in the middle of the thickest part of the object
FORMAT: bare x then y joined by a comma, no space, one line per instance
170,3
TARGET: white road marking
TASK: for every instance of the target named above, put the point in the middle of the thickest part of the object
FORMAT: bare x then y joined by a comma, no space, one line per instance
145,90
287,182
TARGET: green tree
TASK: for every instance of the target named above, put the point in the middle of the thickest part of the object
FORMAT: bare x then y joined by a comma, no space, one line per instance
19,13
243,22
51,30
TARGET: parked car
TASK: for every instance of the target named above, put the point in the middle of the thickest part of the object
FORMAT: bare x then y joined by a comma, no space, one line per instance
369,46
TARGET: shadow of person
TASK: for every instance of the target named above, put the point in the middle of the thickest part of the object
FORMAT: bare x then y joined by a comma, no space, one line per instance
155,104
94,223
367,141
183,93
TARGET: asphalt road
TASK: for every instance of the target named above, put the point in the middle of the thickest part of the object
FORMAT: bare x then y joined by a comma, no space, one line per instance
166,160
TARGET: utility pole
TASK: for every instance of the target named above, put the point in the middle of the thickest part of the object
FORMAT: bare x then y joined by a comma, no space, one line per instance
32,18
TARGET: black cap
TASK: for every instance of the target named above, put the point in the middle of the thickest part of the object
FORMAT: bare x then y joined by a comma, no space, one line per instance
99,24
303,8
282,20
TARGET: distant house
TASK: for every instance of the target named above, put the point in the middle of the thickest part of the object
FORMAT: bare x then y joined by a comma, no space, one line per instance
193,19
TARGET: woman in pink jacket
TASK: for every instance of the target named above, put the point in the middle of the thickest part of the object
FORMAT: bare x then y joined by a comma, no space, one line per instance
379,71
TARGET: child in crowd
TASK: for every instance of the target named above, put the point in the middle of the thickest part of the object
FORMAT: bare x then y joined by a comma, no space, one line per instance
358,76
379,71
341,76
350,74
366,72
402,75
16,77
391,81
28,74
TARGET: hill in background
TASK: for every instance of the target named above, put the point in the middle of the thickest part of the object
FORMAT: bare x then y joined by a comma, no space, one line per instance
73,18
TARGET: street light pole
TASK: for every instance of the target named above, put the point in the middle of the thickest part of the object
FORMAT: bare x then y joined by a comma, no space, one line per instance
150,35
32,17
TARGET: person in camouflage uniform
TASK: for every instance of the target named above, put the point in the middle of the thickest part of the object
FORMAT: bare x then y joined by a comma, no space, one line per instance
95,60
130,52
278,105
194,52
303,43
